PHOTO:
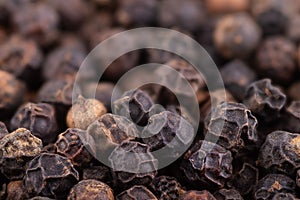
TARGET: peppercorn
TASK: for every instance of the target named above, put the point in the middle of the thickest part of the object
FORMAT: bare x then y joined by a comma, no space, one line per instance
16,191
37,21
245,179
11,93
136,12
265,100
292,117
227,6
83,112
272,184
230,194
16,150
170,131
294,91
69,144
136,192
276,59
50,175
63,63
22,58
3,130
194,195
40,198
135,105
188,15
166,188
237,126
143,164
211,168
280,152
91,189
99,173
237,76
284,196
71,12
236,35
38,118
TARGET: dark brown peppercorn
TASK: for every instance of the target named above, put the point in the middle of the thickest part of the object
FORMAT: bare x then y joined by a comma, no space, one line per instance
239,126
245,179
284,196
272,184
91,189
3,130
37,21
16,149
292,117
16,191
135,105
63,63
69,144
136,12
264,99
142,168
50,175
99,173
12,92
39,119
237,76
137,192
84,112
169,130
166,188
280,153
21,57
197,195
109,131
230,194
212,168
236,35
276,59
188,15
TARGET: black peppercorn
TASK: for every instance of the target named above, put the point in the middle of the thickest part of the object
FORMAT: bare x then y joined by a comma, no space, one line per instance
137,192
230,194
16,191
194,195
99,173
3,130
91,189
50,175
236,35
276,59
39,119
16,150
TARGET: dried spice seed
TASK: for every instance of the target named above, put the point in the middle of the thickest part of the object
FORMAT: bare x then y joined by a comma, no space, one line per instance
136,12
39,118
69,144
3,130
272,184
230,194
237,76
236,35
99,173
237,126
50,175
166,188
284,196
143,165
194,195
212,168
84,112
280,152
16,150
137,192
91,189
16,191
135,105
265,100
292,117
22,58
11,93
245,179
276,59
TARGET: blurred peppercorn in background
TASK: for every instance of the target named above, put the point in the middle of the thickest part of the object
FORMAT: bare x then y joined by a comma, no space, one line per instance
44,133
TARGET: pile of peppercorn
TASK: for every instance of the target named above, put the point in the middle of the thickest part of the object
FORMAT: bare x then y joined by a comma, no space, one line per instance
254,43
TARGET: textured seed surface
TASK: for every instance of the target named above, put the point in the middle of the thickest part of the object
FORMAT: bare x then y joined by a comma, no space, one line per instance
230,194
136,192
195,195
